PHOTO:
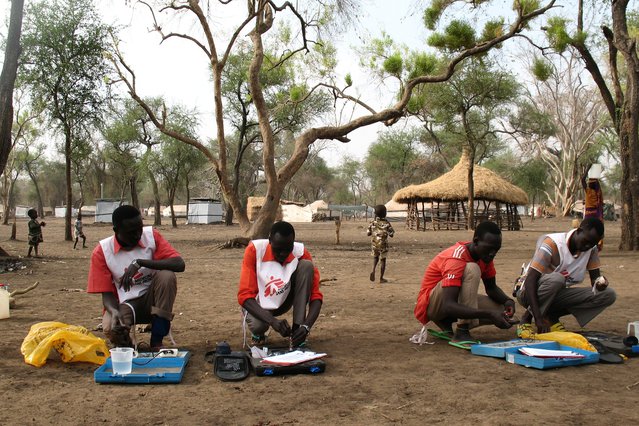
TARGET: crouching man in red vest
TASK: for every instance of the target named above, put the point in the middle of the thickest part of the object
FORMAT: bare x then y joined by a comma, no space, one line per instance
134,270
278,274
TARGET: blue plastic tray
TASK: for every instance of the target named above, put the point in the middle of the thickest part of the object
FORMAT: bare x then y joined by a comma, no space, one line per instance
513,356
146,369
498,349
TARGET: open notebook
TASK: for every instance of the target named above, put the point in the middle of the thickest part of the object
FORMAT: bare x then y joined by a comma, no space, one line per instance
292,358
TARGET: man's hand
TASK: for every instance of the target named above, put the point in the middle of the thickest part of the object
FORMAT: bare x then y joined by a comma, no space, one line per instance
43,223
299,336
127,279
509,308
500,320
601,283
117,320
282,327
543,326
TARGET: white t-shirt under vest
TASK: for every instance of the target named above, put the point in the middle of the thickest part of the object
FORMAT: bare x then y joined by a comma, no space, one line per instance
273,278
571,267
118,262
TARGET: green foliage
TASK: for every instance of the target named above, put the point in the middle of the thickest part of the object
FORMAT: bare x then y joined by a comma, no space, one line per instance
493,29
393,64
458,35
434,12
541,69
526,6
391,162
63,59
420,64
530,120
348,79
557,33
297,93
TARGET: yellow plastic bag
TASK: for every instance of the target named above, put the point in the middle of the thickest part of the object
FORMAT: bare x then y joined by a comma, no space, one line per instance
73,343
566,338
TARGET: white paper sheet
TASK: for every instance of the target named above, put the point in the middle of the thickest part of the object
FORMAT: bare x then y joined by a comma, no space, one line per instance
292,358
549,353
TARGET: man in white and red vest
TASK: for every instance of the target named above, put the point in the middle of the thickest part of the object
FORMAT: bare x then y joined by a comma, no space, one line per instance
278,274
134,270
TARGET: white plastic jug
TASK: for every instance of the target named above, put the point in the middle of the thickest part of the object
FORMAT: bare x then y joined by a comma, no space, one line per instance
634,326
4,302
595,171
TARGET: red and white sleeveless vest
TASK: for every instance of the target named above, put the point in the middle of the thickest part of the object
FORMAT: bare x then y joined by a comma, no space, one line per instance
117,264
273,278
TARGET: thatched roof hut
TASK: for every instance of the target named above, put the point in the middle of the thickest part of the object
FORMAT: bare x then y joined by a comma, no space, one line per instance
451,189
453,186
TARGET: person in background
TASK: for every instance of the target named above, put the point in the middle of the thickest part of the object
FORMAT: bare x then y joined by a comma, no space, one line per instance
35,232
379,230
78,232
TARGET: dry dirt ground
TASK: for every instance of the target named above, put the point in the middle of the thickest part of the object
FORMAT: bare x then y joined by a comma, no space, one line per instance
374,375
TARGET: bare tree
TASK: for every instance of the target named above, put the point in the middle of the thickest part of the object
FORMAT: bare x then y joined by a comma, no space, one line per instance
259,19
560,123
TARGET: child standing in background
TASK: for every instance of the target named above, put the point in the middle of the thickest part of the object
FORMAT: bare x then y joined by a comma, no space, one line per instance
35,232
78,233
380,229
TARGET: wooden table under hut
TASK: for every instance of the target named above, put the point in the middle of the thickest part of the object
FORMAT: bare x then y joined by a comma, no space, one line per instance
443,202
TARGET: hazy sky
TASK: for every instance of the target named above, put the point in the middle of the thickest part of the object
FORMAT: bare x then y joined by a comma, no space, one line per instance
178,70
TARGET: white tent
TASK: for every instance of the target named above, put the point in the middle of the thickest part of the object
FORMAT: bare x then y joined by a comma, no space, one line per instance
395,209
104,209
62,211
205,210
318,205
178,209
21,211
293,213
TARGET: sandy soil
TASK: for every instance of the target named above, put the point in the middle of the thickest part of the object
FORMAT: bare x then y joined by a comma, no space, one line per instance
374,375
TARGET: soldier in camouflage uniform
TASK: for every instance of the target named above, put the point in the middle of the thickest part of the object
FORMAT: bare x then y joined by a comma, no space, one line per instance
380,229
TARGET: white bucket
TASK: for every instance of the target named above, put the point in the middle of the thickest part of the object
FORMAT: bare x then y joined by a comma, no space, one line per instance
4,303
595,171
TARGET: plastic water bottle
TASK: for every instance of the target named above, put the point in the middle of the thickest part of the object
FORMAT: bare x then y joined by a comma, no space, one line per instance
4,302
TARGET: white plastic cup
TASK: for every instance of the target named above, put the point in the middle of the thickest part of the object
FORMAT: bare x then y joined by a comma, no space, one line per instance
634,325
595,171
122,360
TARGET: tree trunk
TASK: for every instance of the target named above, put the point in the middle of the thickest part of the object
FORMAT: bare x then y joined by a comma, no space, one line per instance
5,199
7,80
228,217
171,201
188,196
470,224
628,130
265,219
38,193
133,185
67,174
10,201
157,221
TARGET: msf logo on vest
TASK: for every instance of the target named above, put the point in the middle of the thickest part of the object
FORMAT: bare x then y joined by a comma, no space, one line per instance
569,279
274,286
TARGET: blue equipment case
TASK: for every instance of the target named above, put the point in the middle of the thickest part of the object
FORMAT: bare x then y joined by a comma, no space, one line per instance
146,369
510,351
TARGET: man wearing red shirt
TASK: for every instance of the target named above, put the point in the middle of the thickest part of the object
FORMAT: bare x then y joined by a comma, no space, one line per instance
278,274
134,270
449,289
